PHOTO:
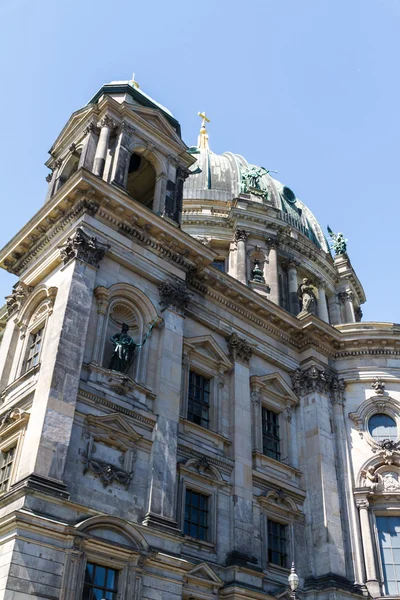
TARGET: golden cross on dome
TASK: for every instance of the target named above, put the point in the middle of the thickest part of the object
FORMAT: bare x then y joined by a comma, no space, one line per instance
205,119
202,142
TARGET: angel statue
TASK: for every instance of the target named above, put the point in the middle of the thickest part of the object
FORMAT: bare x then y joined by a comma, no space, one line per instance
124,348
306,296
339,243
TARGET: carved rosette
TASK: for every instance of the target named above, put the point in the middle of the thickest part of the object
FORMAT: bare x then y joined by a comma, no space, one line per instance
17,297
315,379
345,297
239,348
83,247
173,293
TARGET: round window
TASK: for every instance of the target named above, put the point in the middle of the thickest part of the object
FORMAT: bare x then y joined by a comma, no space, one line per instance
382,427
289,195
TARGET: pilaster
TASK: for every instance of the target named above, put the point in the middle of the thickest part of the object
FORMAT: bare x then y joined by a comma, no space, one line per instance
273,280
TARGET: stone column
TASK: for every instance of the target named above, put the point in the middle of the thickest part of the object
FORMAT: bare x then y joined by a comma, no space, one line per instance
317,452
334,310
273,280
86,159
232,258
256,420
240,237
346,298
368,545
102,294
102,145
241,436
122,156
293,286
48,434
159,193
162,505
322,305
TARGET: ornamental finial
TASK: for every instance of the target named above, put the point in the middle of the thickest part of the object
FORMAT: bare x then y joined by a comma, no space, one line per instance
133,82
202,142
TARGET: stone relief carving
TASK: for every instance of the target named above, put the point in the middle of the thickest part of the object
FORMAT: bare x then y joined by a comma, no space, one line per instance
174,293
384,481
378,385
17,297
320,380
390,482
389,450
239,348
371,479
83,247
12,417
108,473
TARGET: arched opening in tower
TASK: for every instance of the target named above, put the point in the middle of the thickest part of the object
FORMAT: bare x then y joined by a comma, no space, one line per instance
141,180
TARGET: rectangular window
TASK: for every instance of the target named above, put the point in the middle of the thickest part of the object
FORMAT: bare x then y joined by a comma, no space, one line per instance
219,264
270,434
34,347
277,543
7,459
199,400
389,545
196,515
100,582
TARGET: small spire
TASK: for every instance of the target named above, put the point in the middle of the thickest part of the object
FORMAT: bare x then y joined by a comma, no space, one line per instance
133,82
202,141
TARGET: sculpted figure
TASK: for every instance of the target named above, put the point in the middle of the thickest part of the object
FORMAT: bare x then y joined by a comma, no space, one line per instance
306,296
371,478
339,242
124,348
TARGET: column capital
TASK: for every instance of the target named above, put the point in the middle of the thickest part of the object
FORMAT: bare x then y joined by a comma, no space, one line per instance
101,294
239,348
83,247
272,242
362,503
108,121
174,293
92,128
125,127
241,235
346,296
316,379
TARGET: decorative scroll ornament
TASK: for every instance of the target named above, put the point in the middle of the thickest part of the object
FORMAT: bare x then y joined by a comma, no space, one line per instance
389,451
239,348
339,243
83,247
17,297
108,473
378,385
173,293
251,181
315,379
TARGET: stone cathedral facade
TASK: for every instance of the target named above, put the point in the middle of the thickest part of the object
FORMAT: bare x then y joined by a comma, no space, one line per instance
190,401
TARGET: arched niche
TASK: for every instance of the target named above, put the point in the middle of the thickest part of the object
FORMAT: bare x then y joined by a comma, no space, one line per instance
141,180
127,304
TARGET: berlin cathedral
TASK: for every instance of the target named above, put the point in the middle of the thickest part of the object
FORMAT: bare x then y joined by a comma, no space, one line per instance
191,404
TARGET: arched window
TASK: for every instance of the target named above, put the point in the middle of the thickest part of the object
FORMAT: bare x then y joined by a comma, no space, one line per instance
141,180
70,168
382,427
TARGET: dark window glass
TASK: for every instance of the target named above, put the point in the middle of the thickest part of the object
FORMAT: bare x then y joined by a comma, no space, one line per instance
7,459
382,427
219,264
34,347
270,434
389,545
196,515
199,400
277,544
100,582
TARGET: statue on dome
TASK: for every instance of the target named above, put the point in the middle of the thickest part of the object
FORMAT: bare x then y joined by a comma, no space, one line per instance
124,348
251,180
306,296
339,243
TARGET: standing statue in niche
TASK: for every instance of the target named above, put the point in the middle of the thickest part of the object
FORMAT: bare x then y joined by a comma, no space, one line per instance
306,296
124,348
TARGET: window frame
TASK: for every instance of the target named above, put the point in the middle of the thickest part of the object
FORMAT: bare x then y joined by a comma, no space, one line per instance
287,542
199,402
274,439
31,329
207,511
199,484
377,404
380,439
12,435
105,590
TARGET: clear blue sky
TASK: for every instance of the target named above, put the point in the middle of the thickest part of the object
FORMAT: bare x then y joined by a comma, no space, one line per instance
307,87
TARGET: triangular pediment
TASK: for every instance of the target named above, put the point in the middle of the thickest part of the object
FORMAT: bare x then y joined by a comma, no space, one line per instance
157,120
205,572
113,423
74,122
275,386
209,350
